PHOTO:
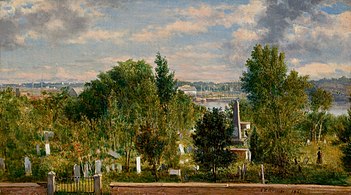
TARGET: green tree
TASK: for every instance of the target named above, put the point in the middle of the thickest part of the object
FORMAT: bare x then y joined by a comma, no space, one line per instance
346,158
165,82
212,139
278,100
321,102
133,84
255,148
151,142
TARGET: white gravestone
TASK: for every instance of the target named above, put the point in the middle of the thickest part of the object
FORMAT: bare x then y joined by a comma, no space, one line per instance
113,167
107,168
174,172
138,164
27,166
181,149
47,149
98,167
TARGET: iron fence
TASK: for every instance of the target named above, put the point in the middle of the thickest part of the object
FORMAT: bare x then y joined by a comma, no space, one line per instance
82,185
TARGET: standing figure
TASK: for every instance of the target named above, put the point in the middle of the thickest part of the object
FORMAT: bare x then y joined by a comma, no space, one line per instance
319,156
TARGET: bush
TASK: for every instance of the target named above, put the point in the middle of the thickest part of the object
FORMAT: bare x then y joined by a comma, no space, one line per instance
346,158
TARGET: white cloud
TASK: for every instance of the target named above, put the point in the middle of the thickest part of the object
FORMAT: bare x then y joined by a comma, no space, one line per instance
98,35
178,27
245,35
198,20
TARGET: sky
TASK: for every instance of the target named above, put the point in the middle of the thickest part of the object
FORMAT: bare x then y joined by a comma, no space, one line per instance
209,40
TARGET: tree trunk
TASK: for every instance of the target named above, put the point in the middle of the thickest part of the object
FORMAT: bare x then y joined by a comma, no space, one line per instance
320,132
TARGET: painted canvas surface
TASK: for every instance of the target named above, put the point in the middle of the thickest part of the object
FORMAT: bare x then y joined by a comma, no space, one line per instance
59,41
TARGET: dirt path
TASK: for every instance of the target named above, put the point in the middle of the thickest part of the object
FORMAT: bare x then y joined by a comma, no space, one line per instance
209,188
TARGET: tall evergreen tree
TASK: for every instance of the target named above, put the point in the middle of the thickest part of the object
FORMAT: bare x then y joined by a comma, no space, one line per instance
212,139
165,82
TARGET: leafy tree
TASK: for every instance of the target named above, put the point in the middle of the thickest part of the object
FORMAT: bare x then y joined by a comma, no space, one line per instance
278,100
165,82
133,84
346,158
212,138
255,146
151,141
321,102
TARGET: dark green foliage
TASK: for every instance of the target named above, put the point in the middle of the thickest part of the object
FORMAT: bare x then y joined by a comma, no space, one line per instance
164,80
212,139
151,142
346,158
346,136
255,146
321,100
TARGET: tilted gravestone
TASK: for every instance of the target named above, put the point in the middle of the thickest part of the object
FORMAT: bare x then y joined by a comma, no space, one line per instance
27,166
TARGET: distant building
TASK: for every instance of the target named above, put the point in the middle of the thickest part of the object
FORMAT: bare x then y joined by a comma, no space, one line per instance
189,90
75,91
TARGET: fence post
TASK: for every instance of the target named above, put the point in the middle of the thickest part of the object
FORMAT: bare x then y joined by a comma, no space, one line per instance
262,173
51,183
98,184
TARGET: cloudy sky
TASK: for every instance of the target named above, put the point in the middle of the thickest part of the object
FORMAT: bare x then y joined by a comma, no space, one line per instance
207,40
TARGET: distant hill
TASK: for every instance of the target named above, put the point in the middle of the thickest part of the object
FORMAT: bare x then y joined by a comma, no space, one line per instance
340,88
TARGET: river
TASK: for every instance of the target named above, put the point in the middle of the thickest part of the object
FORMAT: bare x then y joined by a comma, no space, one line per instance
336,109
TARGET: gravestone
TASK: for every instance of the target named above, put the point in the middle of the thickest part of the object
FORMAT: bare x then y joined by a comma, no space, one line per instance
47,149
76,171
107,168
119,167
236,121
113,167
86,170
98,167
38,150
47,135
2,164
181,149
175,172
113,153
27,166
308,142
249,156
138,164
